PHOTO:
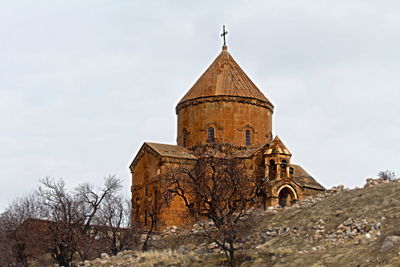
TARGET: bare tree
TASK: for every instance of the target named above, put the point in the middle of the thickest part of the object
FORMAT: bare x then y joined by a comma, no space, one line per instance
153,209
114,219
62,209
216,188
13,239
90,200
71,215
59,221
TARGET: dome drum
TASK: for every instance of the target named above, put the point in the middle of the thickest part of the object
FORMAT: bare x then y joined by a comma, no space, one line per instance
235,123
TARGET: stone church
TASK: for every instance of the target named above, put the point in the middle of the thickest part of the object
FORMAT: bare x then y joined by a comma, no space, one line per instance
224,106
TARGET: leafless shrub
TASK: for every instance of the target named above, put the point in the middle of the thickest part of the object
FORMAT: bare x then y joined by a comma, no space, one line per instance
387,175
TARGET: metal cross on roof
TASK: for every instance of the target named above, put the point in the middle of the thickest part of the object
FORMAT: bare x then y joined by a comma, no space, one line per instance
224,33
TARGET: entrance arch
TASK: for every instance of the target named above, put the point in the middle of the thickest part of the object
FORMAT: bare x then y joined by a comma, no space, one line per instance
287,196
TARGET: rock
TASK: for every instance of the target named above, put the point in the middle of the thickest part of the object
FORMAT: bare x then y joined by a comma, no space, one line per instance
156,237
190,246
337,189
212,245
348,222
263,236
126,257
374,182
249,259
182,249
104,256
201,249
390,242
368,235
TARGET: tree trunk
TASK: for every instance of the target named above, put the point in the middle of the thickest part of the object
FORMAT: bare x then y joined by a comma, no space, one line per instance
21,256
61,257
232,262
62,261
146,241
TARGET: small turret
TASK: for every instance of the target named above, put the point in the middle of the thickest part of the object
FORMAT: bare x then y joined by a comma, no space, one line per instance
277,161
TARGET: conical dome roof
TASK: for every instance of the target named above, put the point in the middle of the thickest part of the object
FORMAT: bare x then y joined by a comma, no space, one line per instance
224,77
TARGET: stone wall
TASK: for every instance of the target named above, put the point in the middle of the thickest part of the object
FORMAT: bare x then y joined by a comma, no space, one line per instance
230,121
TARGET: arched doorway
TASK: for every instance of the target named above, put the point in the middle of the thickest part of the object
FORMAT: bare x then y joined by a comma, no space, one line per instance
287,196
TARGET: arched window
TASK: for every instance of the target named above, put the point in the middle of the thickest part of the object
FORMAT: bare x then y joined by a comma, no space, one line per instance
284,163
184,137
248,138
211,135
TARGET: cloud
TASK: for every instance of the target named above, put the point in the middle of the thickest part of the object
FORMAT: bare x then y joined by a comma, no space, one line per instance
84,84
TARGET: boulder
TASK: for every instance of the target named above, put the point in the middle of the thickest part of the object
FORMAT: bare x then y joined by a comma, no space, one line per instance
390,242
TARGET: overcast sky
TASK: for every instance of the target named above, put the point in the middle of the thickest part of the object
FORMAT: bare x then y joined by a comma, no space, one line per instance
84,83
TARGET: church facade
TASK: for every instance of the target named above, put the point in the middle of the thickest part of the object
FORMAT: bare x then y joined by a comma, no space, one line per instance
223,107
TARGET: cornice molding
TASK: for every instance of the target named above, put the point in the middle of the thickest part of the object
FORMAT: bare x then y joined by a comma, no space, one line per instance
237,99
218,145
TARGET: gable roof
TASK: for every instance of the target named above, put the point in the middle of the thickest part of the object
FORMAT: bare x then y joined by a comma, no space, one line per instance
224,77
165,150
162,150
305,180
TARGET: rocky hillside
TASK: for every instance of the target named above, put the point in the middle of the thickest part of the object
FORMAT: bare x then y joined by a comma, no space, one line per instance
359,227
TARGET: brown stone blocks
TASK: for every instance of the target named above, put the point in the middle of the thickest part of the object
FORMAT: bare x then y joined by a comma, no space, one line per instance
230,121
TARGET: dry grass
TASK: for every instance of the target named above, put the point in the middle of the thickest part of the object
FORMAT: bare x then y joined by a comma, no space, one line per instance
375,204
166,257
